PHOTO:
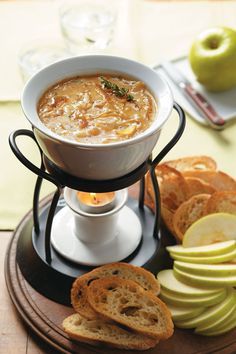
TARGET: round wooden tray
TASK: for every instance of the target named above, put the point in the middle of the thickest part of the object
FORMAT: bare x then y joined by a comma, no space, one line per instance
44,317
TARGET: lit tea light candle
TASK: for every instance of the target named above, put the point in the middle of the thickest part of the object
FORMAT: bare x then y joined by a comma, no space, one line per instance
96,203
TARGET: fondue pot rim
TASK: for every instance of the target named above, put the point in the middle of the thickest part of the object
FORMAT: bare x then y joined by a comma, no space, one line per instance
164,103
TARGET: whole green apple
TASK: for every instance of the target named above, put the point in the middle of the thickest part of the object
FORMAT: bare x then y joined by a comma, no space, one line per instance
212,58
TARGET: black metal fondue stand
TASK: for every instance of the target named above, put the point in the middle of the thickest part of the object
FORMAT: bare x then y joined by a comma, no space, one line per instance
45,269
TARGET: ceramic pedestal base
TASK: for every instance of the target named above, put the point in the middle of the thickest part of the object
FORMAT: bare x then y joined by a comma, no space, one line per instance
68,245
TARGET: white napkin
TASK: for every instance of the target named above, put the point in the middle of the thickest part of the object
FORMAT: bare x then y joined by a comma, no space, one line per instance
223,102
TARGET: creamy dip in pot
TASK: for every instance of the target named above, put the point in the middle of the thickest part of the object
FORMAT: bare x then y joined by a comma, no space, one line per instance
97,109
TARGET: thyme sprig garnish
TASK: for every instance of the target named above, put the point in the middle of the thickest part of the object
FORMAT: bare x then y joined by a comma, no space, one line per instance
116,90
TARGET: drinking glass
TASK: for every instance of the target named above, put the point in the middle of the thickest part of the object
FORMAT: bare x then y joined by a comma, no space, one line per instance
87,27
35,55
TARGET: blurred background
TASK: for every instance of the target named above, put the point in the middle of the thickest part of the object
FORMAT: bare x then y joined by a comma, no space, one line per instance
146,30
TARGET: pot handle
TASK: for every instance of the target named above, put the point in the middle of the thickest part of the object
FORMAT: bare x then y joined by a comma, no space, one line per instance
41,173
23,159
176,137
152,165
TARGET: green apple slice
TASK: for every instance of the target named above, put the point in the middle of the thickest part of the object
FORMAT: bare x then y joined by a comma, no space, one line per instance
169,282
225,327
184,313
225,257
214,270
211,229
217,325
203,251
178,300
213,325
208,281
212,314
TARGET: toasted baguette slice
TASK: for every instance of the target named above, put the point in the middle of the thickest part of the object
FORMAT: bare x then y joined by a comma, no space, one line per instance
198,186
222,202
188,212
221,181
193,163
174,191
97,332
123,270
127,303
173,187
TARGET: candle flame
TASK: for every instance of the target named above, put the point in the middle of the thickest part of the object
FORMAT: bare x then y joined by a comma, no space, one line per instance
94,198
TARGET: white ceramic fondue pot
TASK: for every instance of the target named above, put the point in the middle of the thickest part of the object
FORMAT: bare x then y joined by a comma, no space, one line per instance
96,161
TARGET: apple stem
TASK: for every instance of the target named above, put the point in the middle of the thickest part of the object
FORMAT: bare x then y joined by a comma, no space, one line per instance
214,44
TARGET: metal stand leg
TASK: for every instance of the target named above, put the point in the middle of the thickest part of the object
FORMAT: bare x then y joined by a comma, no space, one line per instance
141,193
41,173
37,189
155,162
49,224
157,222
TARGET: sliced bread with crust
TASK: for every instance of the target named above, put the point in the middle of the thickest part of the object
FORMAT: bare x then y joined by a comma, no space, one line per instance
193,163
128,304
174,191
173,187
188,212
222,202
198,186
221,181
120,269
97,332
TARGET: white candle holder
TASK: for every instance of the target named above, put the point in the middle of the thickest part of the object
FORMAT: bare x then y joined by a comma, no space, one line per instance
94,227
96,203
95,238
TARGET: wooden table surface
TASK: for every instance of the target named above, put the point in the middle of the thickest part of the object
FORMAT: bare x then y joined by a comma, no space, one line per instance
15,337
